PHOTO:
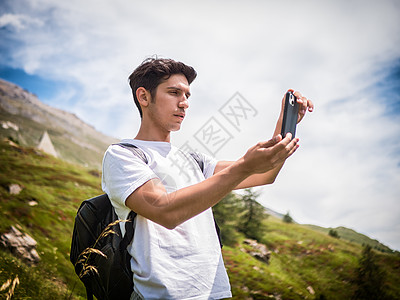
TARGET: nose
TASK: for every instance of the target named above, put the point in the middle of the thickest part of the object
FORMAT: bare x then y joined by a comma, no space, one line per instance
184,103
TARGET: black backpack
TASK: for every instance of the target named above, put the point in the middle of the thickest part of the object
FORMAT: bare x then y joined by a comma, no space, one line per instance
103,262
112,278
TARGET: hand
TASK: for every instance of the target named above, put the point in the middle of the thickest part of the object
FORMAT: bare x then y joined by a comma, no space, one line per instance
265,156
304,104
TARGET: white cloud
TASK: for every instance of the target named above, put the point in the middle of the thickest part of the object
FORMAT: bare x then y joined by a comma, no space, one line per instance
18,21
347,167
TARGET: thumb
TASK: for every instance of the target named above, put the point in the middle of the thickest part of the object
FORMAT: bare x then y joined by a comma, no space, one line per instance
271,142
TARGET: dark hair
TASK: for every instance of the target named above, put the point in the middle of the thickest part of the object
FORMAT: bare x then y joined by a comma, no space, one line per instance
153,71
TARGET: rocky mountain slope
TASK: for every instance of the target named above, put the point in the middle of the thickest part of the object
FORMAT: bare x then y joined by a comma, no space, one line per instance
25,119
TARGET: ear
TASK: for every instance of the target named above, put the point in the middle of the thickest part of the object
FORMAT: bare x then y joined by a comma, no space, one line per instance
143,96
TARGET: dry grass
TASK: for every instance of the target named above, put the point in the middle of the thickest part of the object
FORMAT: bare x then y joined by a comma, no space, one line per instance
85,255
10,285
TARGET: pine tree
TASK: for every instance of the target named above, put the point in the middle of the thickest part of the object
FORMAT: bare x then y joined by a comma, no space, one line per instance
226,214
334,233
287,218
369,277
251,221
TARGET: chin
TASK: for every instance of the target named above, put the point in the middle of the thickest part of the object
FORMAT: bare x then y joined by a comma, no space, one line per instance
176,127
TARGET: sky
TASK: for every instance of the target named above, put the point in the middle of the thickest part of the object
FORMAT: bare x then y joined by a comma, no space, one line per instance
343,55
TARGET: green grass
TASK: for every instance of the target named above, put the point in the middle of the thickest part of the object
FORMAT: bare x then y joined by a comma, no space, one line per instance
353,236
301,257
58,188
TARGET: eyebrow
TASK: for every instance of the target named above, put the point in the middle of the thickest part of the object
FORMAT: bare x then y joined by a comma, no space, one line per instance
179,89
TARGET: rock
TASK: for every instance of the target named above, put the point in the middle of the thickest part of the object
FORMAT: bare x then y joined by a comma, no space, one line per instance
259,251
9,125
10,142
310,290
21,245
32,203
15,189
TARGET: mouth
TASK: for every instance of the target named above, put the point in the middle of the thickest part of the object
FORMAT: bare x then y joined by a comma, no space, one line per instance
180,115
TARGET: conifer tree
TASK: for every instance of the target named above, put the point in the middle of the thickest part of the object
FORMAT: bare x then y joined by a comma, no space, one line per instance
334,233
251,220
287,218
226,215
369,277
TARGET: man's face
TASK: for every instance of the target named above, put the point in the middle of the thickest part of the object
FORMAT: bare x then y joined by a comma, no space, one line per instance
167,110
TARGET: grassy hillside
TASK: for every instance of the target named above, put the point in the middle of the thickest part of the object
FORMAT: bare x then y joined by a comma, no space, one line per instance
353,236
303,258
58,188
304,264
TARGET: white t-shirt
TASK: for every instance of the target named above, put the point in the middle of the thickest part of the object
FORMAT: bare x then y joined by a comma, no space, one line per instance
183,263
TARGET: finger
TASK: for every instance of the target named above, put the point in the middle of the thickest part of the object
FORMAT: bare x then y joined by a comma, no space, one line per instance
303,105
294,142
303,100
292,147
283,150
281,145
310,106
291,141
293,150
286,140
271,142
302,109
298,95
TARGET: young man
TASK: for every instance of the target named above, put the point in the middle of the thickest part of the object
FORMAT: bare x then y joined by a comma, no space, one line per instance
175,251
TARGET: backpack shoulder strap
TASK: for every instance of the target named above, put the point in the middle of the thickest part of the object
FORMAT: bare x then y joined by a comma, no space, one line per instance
198,159
135,150
128,237
129,231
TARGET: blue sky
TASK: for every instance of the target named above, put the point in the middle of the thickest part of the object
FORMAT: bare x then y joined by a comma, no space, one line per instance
44,89
344,55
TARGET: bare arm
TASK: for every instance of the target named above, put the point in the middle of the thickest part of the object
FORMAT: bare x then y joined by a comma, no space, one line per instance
169,210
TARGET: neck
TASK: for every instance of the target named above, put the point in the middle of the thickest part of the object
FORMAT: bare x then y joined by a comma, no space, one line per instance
146,133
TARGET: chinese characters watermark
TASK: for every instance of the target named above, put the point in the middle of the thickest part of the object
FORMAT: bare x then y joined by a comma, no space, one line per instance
216,132
213,136
237,110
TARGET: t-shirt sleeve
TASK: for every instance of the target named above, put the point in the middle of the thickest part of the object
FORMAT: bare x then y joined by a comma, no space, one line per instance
123,173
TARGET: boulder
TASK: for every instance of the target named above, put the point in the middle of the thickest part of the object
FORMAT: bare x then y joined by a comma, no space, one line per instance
259,251
21,245
15,189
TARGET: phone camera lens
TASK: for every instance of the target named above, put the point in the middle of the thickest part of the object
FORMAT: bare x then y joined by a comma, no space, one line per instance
291,100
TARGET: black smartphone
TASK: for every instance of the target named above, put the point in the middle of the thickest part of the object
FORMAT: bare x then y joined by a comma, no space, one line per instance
290,113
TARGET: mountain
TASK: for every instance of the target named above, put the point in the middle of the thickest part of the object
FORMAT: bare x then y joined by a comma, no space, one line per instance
274,213
25,120
354,237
